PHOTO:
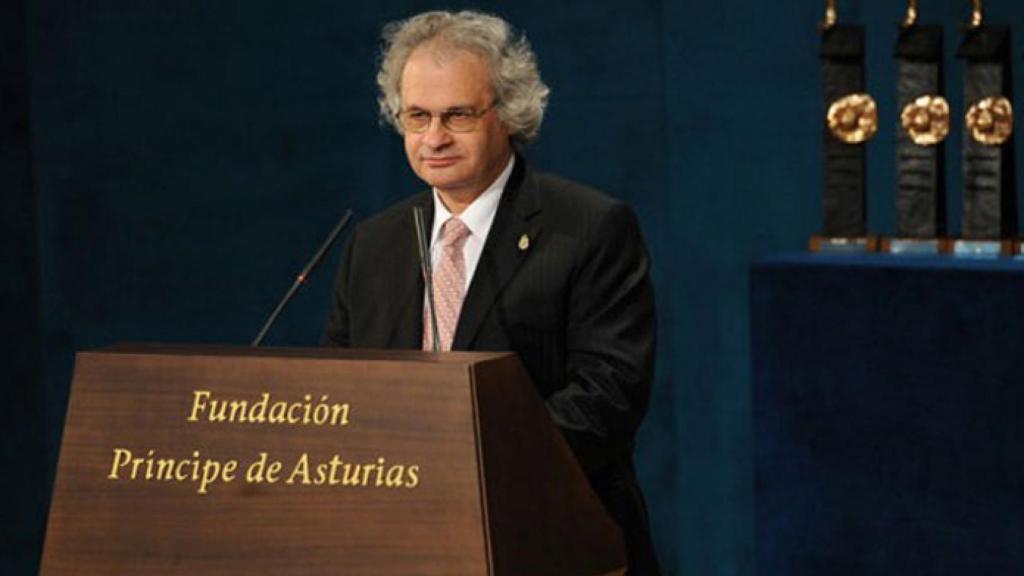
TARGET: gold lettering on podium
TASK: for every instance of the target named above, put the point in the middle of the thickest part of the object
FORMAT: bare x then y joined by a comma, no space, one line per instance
308,412
205,472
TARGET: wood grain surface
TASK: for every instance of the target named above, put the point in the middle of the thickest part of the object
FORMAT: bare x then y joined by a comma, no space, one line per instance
404,409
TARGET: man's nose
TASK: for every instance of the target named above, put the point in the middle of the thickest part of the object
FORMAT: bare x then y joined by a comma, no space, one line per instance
436,135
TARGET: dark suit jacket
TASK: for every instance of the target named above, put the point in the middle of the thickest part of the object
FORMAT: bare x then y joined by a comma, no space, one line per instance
576,305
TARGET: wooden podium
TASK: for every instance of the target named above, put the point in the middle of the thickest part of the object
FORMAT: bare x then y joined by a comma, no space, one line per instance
218,460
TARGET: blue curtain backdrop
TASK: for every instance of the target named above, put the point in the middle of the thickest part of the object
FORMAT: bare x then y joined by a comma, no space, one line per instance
188,156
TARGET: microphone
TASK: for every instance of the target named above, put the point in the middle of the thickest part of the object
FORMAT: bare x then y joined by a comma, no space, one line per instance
426,267
301,278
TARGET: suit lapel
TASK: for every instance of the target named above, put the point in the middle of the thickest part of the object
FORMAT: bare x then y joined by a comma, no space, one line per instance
503,253
407,320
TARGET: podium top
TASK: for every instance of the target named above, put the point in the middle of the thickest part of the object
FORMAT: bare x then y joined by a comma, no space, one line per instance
221,350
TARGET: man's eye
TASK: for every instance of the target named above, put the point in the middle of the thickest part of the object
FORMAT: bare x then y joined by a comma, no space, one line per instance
417,115
459,115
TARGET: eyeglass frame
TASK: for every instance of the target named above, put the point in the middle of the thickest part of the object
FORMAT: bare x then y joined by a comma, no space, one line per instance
445,117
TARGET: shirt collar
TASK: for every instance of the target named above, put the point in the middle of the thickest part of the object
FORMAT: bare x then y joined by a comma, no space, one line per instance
480,212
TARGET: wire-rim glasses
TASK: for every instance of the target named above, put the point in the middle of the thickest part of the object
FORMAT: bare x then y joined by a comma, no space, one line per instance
457,119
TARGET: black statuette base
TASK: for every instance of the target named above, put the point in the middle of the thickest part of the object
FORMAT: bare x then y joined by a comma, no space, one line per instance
844,204
921,191
990,190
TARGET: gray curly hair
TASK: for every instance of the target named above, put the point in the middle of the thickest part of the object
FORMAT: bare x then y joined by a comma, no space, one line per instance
515,81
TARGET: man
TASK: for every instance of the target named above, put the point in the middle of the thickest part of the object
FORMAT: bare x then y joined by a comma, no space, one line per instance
522,261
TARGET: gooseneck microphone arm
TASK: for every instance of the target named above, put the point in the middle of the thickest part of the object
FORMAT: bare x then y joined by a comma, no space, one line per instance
301,278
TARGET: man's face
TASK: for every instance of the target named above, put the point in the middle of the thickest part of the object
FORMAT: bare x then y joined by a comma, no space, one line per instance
459,165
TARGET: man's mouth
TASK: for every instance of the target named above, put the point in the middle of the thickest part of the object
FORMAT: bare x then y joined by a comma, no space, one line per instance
441,162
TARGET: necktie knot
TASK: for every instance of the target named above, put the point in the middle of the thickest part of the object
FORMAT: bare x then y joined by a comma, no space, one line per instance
454,233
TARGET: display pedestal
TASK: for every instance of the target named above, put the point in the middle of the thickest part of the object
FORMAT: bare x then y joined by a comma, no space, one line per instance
888,402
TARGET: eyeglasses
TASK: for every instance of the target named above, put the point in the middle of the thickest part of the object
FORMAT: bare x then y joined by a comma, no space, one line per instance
453,119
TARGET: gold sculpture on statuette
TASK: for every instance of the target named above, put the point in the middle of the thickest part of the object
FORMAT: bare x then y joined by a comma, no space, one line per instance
926,120
990,120
976,15
911,18
830,15
853,118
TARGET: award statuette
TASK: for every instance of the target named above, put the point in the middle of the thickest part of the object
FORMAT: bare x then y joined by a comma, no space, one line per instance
923,127
989,196
851,120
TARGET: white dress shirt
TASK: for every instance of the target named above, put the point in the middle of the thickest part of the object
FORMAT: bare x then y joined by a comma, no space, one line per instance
478,217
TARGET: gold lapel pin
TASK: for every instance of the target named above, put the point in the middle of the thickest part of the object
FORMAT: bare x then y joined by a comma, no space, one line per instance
524,242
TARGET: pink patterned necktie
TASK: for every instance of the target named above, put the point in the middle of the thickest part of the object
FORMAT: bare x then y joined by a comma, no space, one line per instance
449,285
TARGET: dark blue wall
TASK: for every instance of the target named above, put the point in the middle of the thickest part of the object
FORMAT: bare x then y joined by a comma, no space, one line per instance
188,156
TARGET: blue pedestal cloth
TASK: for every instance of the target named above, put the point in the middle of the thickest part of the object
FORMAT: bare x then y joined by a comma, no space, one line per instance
888,421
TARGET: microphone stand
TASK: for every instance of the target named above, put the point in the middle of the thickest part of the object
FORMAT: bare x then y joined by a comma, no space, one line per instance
301,278
426,267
